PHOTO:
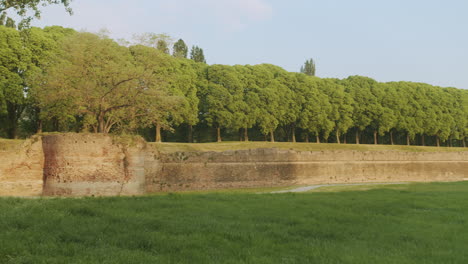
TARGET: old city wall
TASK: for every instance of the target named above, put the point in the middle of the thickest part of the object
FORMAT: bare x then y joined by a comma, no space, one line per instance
90,164
277,167
101,165
21,169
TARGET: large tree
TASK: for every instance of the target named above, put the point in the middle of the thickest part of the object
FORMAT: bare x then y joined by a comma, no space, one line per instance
366,106
316,109
224,99
14,62
96,79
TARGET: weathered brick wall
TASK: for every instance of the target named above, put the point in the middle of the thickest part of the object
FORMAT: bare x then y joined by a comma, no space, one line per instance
91,164
275,167
21,169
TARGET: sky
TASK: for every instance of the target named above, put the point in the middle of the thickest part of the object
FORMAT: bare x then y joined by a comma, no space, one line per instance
388,40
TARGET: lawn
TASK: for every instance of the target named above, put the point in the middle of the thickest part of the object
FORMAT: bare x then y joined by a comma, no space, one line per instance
414,223
224,146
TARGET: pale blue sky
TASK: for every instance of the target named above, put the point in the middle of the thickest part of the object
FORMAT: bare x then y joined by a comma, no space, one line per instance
388,40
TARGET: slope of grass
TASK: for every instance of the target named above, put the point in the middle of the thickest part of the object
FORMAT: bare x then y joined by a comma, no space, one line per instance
417,223
223,146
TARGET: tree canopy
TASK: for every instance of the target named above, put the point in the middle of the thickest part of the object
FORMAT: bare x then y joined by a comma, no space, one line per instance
57,79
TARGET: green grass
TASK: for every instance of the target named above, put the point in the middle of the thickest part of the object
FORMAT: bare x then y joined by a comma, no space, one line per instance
223,146
415,223
10,144
361,187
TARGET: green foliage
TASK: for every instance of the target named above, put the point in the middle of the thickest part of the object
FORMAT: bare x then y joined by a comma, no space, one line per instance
161,42
97,78
55,79
309,67
180,49
14,62
414,223
162,46
197,54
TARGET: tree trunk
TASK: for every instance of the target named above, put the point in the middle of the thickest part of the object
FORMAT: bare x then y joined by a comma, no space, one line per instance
293,131
408,140
344,139
357,136
13,114
158,133
391,138
307,138
55,124
338,137
423,140
190,134
218,132
438,141
272,136
101,123
375,138
317,139
246,135
39,120
39,126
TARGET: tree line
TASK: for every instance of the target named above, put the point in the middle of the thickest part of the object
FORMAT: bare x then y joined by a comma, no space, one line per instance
57,79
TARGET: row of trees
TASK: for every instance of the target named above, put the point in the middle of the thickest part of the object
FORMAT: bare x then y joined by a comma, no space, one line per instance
56,79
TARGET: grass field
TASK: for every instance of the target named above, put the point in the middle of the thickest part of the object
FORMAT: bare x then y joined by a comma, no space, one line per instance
223,146
415,223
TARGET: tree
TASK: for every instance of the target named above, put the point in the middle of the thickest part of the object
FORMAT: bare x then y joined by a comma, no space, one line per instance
161,42
3,18
21,8
14,62
308,68
342,107
180,49
248,105
215,109
366,107
274,99
162,46
313,117
158,73
197,55
43,44
224,98
96,79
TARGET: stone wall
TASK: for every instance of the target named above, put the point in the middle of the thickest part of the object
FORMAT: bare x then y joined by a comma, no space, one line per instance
276,167
21,169
90,164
